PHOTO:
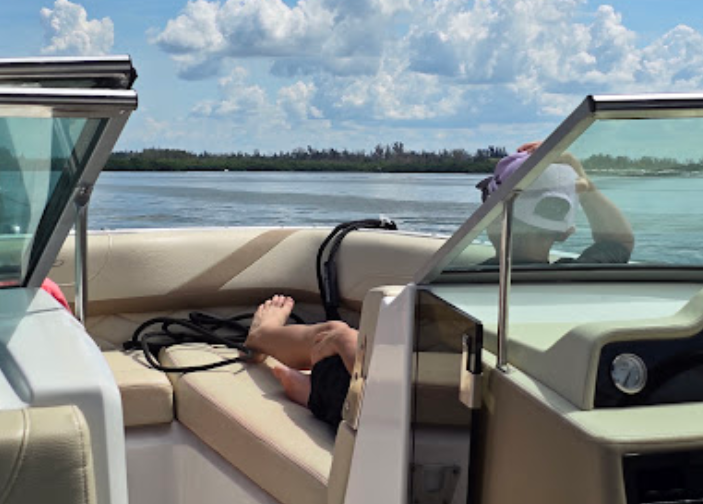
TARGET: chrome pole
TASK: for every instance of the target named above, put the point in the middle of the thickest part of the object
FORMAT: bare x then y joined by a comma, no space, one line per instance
506,266
81,251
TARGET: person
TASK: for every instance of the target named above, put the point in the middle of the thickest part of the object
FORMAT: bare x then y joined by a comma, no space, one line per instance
328,349
545,212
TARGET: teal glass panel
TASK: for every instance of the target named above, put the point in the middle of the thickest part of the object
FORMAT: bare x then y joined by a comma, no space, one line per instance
41,160
631,200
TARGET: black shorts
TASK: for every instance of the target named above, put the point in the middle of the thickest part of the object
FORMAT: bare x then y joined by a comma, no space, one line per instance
329,385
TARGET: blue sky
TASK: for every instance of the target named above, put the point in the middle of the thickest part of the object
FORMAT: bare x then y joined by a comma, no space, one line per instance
239,75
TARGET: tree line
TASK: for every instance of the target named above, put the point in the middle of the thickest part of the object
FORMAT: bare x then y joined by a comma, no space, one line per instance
645,165
383,158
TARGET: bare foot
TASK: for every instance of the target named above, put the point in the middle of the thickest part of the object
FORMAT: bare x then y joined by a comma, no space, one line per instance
295,383
273,312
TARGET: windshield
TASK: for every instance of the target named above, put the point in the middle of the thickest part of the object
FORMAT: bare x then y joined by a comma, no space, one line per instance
41,158
652,171
622,194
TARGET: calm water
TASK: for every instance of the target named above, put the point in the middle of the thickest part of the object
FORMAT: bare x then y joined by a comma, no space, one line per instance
422,202
664,212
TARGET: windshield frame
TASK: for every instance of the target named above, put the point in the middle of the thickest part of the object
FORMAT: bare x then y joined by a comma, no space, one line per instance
113,107
107,72
591,109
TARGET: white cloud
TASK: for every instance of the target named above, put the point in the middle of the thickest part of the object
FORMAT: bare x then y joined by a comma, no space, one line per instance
504,42
248,112
269,28
675,61
239,100
68,31
195,30
394,95
325,33
337,65
296,102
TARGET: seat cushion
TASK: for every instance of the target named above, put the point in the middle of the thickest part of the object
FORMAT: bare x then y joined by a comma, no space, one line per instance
147,394
45,456
242,413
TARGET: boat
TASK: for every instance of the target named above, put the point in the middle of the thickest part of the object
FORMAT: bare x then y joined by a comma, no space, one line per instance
479,377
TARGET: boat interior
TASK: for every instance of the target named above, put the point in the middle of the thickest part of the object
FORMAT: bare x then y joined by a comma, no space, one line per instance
481,376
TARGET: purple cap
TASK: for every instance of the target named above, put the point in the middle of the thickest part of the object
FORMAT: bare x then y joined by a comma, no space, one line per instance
506,167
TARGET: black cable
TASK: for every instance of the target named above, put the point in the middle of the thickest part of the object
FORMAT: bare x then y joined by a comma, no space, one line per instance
327,272
187,369
199,327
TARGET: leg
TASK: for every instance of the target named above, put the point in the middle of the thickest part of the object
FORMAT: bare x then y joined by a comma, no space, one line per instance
295,383
340,340
289,344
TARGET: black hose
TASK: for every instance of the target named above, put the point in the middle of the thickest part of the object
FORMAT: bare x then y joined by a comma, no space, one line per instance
199,327
327,272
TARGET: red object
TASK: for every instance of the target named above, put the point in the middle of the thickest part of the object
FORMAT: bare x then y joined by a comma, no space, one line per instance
52,288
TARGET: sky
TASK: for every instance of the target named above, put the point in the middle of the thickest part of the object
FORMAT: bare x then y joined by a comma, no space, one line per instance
272,75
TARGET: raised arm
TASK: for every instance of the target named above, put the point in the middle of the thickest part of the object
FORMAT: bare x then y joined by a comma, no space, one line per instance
607,222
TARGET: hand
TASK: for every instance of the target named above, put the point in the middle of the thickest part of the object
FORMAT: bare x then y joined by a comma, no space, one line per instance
529,147
583,183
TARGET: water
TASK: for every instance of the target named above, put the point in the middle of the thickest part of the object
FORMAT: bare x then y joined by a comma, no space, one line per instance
665,213
418,202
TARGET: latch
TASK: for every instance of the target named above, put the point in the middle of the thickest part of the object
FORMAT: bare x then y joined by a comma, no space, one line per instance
471,370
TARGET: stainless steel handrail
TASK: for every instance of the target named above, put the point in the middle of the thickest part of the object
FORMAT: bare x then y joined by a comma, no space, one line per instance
506,266
81,251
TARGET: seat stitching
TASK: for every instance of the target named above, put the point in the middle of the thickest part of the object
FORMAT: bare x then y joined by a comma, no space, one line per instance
84,463
20,458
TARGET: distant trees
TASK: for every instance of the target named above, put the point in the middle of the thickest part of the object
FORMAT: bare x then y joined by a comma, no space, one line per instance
646,165
382,158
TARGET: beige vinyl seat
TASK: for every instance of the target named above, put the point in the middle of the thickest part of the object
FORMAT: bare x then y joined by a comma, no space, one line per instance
147,394
241,412
45,456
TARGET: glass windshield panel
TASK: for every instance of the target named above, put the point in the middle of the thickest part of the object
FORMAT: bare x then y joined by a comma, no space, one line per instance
624,194
41,158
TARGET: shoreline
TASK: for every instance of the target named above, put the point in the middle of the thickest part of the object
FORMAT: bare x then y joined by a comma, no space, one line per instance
225,170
